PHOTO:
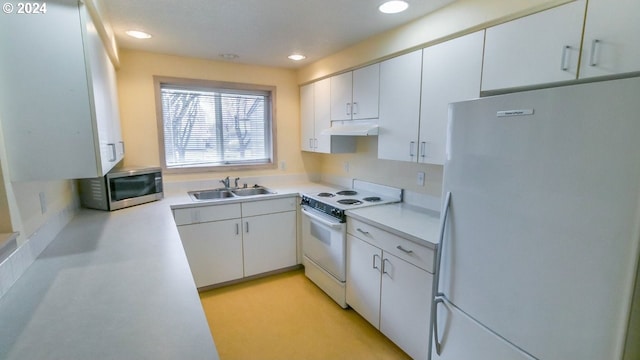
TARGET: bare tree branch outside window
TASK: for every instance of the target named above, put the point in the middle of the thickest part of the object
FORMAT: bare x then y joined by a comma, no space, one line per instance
215,128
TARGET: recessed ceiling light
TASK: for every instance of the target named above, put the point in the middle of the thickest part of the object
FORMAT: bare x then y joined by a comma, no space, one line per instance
296,57
393,6
138,34
229,56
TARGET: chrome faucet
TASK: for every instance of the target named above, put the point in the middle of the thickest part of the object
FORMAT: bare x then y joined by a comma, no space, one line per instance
225,181
236,181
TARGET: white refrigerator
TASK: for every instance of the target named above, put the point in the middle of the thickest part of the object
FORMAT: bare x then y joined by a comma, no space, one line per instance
541,234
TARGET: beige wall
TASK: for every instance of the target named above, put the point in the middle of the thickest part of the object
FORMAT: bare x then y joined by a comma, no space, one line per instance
59,195
138,106
365,165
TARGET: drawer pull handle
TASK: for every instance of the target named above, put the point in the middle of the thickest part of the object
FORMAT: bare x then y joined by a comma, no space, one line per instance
399,247
362,231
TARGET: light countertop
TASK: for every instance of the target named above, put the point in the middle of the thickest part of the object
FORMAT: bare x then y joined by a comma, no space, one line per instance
111,285
416,224
117,285
114,285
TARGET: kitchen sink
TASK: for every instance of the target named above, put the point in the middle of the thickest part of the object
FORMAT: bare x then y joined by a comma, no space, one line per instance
251,191
213,194
223,193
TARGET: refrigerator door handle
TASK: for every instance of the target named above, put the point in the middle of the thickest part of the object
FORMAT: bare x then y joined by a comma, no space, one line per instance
436,337
439,297
443,223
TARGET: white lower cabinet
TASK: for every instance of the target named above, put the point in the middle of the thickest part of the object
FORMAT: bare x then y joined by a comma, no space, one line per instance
389,284
230,241
214,251
405,311
269,242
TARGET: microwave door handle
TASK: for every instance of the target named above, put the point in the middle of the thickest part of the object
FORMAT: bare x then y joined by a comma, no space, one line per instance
321,220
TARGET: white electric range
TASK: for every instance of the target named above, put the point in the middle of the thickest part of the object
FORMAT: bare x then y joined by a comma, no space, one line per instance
324,232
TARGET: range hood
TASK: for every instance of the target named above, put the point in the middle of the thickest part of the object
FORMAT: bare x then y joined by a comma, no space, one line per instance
350,128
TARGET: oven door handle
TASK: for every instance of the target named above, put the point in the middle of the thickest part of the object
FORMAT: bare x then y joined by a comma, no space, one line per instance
321,220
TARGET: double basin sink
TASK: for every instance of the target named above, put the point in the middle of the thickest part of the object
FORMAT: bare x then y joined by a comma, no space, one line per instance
224,193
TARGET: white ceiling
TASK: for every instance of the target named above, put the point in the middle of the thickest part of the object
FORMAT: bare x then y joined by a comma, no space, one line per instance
261,32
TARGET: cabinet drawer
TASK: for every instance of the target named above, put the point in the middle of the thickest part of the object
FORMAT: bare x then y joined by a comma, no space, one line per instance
203,214
262,207
420,256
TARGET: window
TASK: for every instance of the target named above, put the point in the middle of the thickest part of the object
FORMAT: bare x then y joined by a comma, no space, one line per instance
205,125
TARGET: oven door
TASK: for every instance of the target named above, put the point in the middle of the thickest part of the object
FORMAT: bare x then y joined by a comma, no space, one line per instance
324,242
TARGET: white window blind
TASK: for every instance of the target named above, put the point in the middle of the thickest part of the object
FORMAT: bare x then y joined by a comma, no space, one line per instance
215,127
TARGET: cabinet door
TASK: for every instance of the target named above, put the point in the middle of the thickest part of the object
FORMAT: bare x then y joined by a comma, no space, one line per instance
307,118
366,85
364,262
399,107
611,43
214,251
536,49
341,92
44,92
105,102
269,242
322,110
405,305
451,71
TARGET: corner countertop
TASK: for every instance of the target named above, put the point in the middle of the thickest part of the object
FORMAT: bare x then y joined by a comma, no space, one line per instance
419,225
111,285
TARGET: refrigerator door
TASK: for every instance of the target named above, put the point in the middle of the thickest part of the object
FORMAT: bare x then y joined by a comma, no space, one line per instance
542,237
466,339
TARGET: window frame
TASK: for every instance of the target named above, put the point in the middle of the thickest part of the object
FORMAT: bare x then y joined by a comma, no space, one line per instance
198,84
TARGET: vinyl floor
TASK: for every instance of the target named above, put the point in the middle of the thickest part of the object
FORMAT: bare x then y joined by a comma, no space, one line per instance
287,317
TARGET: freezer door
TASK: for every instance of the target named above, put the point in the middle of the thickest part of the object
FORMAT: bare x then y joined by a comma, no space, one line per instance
463,338
543,228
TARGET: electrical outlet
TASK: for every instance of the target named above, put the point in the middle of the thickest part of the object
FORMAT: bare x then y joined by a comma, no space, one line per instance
345,166
43,202
283,165
420,179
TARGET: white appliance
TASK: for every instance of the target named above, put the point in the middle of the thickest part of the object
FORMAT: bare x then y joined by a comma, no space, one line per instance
324,232
540,243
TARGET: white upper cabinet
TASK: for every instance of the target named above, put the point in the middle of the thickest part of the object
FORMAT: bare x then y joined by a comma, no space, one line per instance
611,43
307,118
314,118
59,111
399,107
354,95
539,48
451,72
415,92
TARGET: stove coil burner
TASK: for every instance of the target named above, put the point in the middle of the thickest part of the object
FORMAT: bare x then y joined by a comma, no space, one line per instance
326,194
347,192
349,202
372,199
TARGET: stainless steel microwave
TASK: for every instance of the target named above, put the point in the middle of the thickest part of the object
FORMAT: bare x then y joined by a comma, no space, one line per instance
122,187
